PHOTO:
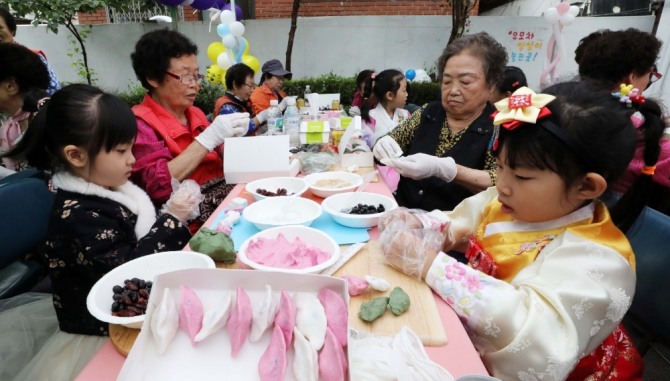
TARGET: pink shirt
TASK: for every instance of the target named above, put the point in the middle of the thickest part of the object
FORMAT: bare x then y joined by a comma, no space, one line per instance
661,174
151,167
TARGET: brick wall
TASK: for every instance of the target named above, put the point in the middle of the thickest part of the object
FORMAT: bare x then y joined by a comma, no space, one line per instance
269,9
100,17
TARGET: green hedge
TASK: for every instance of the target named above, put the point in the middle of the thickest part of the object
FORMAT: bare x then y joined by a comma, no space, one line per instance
420,92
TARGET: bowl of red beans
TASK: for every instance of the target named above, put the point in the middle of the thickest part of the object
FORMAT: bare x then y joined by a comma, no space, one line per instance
276,186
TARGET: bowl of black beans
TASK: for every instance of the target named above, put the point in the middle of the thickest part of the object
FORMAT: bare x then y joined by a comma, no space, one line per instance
358,209
122,296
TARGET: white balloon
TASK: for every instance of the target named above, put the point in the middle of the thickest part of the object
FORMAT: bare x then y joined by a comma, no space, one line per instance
227,17
567,19
574,10
229,41
421,76
224,61
237,29
551,15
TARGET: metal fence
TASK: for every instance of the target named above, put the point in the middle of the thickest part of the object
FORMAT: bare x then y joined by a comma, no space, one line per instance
136,14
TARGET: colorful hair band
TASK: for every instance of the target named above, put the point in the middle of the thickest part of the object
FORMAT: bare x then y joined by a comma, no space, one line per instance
648,170
629,95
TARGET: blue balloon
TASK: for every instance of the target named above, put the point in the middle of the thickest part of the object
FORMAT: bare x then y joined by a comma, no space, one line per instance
222,30
410,74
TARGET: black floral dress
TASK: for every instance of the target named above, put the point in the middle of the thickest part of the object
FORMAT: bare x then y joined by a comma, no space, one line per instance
89,235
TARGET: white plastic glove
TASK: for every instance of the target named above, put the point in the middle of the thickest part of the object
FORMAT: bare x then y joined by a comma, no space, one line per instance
420,166
283,104
262,116
184,203
354,111
386,148
224,126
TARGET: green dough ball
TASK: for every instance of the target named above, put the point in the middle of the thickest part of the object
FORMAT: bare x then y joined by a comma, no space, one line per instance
373,309
217,245
398,301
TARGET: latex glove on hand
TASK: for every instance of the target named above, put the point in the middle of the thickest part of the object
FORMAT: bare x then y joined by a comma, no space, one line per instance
409,250
283,104
184,203
224,126
420,166
262,116
354,111
386,148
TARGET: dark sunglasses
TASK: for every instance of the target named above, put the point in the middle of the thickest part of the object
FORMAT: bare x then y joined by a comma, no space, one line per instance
654,76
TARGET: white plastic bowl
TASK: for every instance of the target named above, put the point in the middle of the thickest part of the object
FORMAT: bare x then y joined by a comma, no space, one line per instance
315,180
282,210
310,236
99,300
334,205
294,186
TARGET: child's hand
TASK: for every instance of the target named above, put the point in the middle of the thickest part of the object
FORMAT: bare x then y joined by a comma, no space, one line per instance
411,251
402,216
184,204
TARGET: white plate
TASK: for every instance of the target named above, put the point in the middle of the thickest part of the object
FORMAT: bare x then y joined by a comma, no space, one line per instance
210,359
99,300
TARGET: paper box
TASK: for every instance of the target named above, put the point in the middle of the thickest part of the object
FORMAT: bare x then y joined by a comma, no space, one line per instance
314,132
250,158
210,358
361,155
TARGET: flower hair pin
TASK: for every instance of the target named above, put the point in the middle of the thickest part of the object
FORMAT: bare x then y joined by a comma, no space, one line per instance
373,76
629,95
523,106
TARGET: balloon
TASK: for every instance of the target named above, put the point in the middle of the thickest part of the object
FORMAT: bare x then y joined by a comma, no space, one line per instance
224,61
551,15
187,2
567,19
238,11
202,4
222,29
171,3
229,41
563,7
237,28
410,74
574,10
219,4
421,76
246,47
227,17
252,62
214,49
223,78
214,73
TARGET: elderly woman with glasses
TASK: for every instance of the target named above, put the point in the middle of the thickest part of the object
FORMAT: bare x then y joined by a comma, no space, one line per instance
271,82
612,58
239,86
175,140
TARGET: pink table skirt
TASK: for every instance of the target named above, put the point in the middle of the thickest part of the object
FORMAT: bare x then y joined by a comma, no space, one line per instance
459,356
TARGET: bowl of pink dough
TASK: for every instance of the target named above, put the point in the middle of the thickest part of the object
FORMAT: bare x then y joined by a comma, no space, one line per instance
292,248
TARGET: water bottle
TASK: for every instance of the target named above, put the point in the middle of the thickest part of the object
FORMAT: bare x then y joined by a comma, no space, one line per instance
308,91
274,119
292,123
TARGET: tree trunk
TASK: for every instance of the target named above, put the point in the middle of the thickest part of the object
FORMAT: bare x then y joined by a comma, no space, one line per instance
291,32
73,29
460,10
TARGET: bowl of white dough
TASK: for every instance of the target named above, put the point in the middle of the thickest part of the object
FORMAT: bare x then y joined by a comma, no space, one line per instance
324,184
133,281
283,210
276,186
293,249
358,209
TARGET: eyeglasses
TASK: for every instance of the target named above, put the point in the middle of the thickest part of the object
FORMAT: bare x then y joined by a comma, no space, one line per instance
654,76
188,78
251,85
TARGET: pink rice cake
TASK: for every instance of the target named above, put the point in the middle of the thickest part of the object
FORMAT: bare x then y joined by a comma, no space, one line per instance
190,312
356,285
272,365
285,318
337,314
280,253
239,324
332,359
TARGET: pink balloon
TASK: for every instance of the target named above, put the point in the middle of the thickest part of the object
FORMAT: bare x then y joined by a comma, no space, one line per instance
563,7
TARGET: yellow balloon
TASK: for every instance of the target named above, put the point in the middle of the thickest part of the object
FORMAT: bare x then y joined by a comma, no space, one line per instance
246,49
223,78
214,73
252,62
214,49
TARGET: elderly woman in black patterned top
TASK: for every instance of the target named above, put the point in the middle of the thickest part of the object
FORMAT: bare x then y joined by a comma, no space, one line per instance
442,150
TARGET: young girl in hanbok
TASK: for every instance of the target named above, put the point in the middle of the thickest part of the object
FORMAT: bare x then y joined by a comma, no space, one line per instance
99,221
549,276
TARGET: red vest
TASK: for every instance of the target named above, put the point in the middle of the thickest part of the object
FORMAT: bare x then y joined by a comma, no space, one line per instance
224,100
177,138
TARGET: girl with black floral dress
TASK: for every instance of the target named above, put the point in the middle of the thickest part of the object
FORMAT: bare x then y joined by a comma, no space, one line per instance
99,221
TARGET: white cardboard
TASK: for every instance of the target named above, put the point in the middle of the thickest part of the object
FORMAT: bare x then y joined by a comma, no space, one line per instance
210,359
250,158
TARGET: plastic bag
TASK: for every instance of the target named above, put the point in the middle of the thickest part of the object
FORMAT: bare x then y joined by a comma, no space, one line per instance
313,162
177,205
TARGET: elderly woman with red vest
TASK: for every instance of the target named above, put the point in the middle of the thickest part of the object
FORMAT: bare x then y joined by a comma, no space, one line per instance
174,138
239,86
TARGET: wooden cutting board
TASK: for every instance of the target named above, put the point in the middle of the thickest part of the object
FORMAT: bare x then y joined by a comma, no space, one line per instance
122,338
422,317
